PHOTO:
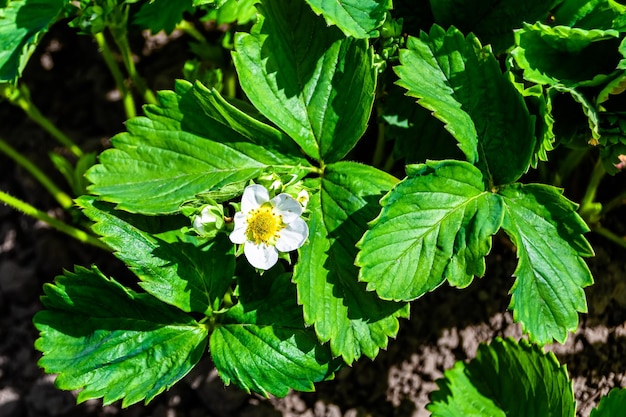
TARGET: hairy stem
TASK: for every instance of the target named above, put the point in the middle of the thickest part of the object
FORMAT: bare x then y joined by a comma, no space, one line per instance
127,97
121,40
29,210
62,198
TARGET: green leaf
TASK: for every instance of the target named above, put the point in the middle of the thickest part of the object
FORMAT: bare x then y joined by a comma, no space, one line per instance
193,142
112,342
357,18
493,21
314,83
506,378
22,26
436,224
551,274
158,15
233,11
611,405
589,14
567,56
191,275
261,343
354,320
540,107
462,84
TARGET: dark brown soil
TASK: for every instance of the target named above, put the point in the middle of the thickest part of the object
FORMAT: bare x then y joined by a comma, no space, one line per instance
70,84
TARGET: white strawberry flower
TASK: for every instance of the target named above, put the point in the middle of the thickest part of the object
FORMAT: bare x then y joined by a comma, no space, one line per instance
266,227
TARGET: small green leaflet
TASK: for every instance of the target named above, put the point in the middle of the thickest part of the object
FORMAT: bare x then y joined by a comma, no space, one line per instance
112,342
551,275
158,15
461,83
493,21
193,142
568,56
22,25
314,83
506,379
357,18
612,405
354,320
261,343
436,224
191,275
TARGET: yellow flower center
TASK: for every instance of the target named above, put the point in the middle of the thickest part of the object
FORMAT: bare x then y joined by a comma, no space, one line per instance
264,225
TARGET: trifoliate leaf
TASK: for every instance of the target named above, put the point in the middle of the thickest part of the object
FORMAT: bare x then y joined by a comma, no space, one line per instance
611,405
589,14
461,82
261,343
189,274
436,224
112,342
551,274
193,142
357,18
493,21
564,55
22,25
314,83
506,378
354,320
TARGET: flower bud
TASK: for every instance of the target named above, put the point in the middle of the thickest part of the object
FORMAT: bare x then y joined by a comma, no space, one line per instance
210,220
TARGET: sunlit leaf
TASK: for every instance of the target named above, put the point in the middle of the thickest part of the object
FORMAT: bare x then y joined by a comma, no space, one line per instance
112,342
357,18
551,274
314,83
435,225
261,344
22,26
193,142
506,378
354,320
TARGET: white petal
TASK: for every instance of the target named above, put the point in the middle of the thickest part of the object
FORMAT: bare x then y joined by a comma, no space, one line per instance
253,196
286,206
260,256
238,235
292,236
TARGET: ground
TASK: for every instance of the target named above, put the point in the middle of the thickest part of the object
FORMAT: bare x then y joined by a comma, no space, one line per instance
70,84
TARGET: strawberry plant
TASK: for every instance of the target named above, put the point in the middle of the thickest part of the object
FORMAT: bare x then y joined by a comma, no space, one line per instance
281,212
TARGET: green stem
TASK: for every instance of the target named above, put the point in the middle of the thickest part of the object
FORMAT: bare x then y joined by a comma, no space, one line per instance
191,30
20,96
127,97
588,207
29,210
64,200
121,40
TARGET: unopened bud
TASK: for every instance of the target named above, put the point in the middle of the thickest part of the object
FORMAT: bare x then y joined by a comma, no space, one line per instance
210,220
